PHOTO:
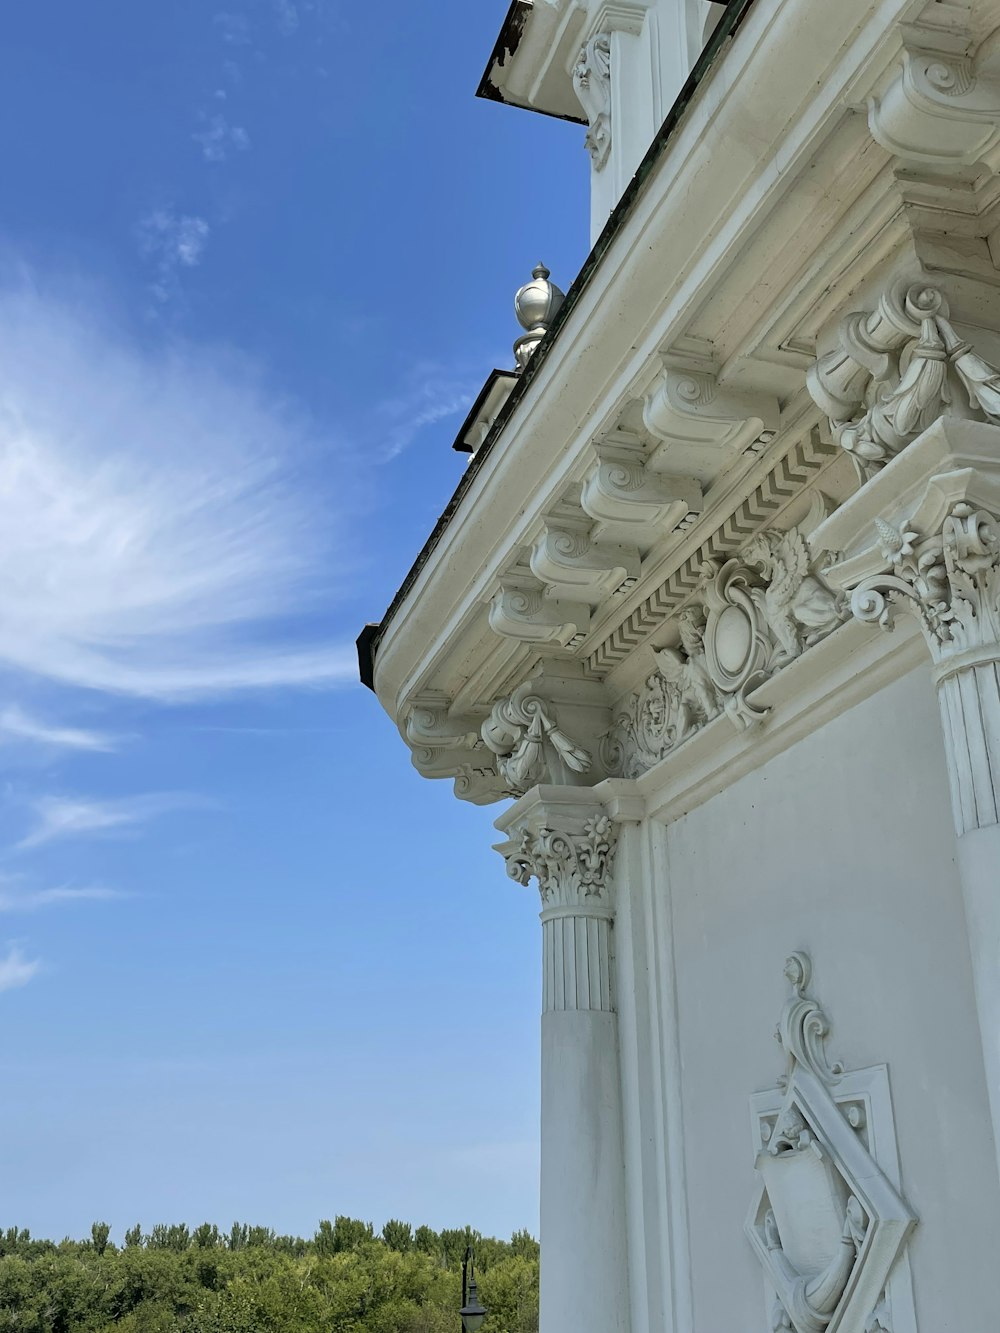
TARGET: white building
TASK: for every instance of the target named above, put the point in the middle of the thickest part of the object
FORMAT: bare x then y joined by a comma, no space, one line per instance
717,602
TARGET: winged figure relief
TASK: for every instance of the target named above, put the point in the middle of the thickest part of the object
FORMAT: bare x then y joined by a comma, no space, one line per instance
686,673
796,604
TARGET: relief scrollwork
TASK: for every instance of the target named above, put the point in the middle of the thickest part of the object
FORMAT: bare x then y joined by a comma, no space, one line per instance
826,1223
570,867
592,83
895,371
529,746
755,613
950,580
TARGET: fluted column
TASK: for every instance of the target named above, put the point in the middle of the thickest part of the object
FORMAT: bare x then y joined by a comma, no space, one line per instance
568,846
944,567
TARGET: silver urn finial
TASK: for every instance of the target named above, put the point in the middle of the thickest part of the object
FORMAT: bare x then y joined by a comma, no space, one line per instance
535,305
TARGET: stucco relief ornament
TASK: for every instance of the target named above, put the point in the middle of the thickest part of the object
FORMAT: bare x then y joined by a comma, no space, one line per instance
592,82
826,1223
949,580
761,610
895,371
528,744
569,867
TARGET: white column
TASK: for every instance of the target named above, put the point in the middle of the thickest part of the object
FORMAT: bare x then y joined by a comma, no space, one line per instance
944,566
970,712
570,850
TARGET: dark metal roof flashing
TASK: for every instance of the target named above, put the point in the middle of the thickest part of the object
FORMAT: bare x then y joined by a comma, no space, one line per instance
728,25
505,48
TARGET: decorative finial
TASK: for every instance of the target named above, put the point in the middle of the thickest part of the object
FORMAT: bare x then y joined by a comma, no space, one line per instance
535,305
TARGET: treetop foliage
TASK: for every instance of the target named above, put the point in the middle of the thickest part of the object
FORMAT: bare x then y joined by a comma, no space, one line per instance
345,1279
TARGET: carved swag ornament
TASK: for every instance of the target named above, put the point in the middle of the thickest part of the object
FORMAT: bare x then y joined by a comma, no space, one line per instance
528,744
760,611
894,372
826,1223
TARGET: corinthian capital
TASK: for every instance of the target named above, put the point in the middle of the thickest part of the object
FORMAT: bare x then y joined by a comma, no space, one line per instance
572,867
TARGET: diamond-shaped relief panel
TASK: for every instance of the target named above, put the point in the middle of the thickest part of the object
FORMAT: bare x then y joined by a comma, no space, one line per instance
827,1221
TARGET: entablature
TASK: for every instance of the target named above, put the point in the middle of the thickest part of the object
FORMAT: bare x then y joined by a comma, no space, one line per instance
630,563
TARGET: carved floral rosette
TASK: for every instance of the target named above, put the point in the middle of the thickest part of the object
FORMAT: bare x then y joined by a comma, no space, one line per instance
950,580
756,613
827,1221
571,868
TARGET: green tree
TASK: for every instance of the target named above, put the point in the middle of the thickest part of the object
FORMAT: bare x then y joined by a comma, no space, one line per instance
398,1235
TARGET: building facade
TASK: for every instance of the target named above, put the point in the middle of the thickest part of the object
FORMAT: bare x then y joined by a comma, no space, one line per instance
714,617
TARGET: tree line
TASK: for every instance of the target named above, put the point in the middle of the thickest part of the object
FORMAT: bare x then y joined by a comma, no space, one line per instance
345,1279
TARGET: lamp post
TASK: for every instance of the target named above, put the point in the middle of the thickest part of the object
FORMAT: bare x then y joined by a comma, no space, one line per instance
472,1312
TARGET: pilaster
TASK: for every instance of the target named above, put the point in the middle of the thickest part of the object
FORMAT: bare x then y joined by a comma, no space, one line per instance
923,538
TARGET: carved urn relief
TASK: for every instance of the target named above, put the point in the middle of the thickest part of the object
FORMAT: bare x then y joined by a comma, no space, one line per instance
827,1222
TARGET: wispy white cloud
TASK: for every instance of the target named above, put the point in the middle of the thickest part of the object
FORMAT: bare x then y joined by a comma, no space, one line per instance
428,396
218,138
233,28
17,725
16,970
154,536
61,817
172,242
286,14
14,897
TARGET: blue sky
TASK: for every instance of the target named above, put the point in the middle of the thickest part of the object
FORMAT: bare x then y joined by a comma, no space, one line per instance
255,261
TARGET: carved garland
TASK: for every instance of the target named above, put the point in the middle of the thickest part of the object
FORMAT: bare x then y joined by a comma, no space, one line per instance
528,744
895,371
758,612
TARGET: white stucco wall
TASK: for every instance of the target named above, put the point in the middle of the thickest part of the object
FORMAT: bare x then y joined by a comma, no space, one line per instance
844,847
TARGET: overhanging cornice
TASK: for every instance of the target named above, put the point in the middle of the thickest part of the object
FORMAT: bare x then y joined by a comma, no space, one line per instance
737,10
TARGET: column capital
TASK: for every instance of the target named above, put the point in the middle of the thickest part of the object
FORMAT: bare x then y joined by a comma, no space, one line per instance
924,536
568,845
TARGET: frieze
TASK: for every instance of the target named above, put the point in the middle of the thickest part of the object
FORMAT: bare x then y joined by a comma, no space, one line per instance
752,616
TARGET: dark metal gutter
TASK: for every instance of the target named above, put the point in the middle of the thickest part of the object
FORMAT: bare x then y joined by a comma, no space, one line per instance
728,26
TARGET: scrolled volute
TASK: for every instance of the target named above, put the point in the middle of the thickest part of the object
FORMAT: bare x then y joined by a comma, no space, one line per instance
529,746
572,868
895,371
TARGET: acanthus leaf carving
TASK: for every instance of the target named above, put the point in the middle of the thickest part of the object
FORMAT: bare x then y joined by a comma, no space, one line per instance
895,372
529,746
757,612
592,83
571,868
950,580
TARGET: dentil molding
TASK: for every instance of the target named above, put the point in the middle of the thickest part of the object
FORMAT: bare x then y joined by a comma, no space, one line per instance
827,1222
